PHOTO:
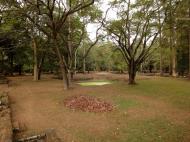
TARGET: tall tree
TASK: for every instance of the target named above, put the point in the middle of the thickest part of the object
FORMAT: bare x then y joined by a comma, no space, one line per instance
134,32
50,17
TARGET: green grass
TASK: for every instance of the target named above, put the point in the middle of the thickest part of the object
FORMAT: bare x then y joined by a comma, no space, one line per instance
95,83
123,127
174,91
155,110
151,130
123,103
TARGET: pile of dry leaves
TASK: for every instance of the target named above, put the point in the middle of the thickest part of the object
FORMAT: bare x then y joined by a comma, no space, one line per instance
88,104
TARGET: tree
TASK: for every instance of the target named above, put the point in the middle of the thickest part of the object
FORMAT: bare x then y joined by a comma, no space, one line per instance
76,35
50,17
183,34
13,42
135,32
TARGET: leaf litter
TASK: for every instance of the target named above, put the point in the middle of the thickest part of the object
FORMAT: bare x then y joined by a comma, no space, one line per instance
88,104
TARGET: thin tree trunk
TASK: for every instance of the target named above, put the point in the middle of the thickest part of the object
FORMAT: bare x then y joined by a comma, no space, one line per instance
189,41
40,67
39,73
20,69
35,68
2,63
172,46
172,66
189,53
70,50
62,66
72,75
11,64
174,57
160,43
70,56
75,71
84,61
174,61
170,41
161,58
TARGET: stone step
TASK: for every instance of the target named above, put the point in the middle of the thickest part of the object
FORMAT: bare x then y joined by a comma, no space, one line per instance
6,133
47,136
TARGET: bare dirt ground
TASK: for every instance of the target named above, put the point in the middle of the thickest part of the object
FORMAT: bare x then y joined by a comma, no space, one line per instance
39,106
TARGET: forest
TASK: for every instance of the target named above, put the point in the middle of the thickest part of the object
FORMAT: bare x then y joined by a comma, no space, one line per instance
52,36
137,51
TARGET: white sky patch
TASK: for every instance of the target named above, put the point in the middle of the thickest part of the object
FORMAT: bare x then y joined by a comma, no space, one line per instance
91,28
111,15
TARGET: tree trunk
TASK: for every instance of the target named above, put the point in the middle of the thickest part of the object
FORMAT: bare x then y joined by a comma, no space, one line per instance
132,73
2,63
35,68
69,77
161,62
72,75
189,52
170,40
172,46
11,64
62,65
39,73
174,62
160,43
189,42
40,67
64,75
84,61
20,69
75,70
70,56
174,57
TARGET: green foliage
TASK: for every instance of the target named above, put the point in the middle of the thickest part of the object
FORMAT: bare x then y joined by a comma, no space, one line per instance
118,63
18,30
14,42
103,57
91,13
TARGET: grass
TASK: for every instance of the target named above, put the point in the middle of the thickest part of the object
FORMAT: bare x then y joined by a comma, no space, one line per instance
149,124
157,130
155,110
95,83
150,130
174,91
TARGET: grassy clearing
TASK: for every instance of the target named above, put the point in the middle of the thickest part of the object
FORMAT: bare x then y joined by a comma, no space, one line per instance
137,120
155,110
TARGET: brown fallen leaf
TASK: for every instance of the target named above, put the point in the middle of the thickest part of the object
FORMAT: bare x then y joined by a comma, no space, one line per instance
88,104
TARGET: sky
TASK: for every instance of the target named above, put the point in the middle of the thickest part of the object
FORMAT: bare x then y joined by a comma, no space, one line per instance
91,28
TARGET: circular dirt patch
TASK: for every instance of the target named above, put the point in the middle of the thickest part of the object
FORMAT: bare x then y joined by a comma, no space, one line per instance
87,104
